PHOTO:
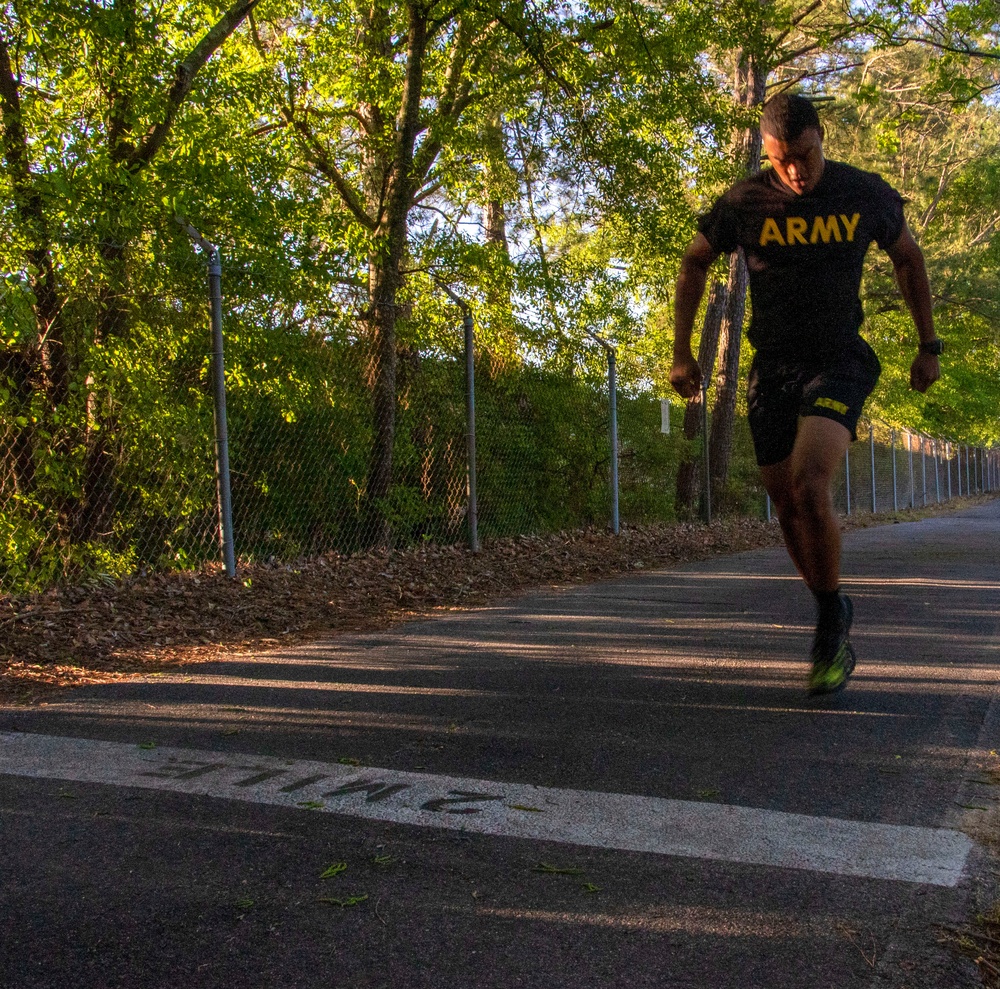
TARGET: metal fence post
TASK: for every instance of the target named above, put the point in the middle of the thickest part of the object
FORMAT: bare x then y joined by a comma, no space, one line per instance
923,468
468,330
470,420
937,476
913,487
221,422
895,502
968,473
947,463
871,445
222,481
704,440
613,426
847,478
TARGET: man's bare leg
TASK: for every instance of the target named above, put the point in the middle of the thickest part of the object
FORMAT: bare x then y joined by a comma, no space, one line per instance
801,490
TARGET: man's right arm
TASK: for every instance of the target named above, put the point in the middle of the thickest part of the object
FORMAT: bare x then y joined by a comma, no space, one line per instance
685,375
911,275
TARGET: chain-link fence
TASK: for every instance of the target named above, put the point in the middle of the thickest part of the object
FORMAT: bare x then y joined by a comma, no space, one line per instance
122,477
890,469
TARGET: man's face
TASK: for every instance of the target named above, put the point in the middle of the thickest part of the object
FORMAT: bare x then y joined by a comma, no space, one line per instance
798,163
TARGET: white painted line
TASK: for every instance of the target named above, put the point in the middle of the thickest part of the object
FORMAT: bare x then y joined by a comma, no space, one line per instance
934,856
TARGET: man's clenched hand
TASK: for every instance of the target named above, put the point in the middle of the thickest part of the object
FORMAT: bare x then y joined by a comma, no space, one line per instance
924,371
685,376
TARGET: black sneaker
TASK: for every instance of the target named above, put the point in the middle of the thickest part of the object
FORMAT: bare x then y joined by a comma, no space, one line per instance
832,654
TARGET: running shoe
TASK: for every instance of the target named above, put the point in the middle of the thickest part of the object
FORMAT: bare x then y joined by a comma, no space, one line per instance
833,656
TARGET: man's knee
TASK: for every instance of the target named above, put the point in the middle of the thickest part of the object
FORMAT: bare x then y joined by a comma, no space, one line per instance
818,455
810,490
783,501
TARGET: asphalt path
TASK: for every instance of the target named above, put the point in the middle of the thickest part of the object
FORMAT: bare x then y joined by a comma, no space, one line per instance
618,784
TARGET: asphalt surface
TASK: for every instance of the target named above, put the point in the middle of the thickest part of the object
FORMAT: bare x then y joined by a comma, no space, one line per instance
674,691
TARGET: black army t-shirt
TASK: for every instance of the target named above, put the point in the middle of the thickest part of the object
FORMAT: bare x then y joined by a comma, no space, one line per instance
805,253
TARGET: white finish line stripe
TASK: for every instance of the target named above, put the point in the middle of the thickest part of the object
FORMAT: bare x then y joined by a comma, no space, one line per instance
603,820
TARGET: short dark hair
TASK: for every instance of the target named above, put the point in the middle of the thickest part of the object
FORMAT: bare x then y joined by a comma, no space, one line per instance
787,115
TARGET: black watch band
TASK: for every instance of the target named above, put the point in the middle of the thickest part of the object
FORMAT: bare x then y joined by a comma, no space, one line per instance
935,347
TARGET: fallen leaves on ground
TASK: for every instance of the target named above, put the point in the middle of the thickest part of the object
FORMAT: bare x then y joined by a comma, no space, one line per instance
69,636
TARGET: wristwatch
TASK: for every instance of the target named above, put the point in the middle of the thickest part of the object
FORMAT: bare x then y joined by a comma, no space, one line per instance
935,347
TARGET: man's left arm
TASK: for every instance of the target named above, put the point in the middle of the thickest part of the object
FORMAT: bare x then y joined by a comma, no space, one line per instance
914,286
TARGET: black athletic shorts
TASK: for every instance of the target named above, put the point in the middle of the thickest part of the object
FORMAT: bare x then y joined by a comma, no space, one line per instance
782,389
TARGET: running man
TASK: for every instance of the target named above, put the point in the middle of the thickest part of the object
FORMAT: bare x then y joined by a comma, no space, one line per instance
805,225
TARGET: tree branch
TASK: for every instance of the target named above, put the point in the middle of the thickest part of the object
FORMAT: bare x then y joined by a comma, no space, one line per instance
987,231
790,56
401,184
781,85
427,193
941,46
796,21
431,148
535,52
328,169
942,186
435,25
184,75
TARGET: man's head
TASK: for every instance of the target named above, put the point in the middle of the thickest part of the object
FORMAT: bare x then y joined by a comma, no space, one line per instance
793,141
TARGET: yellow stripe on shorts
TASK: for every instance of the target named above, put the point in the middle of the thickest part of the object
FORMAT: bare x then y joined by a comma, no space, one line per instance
830,403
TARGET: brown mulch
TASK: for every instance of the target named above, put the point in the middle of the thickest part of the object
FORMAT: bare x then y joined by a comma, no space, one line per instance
70,636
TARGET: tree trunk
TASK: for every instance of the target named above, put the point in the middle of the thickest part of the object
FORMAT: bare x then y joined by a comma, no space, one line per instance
40,364
93,516
383,286
689,474
720,442
385,276
496,163
47,353
499,284
750,86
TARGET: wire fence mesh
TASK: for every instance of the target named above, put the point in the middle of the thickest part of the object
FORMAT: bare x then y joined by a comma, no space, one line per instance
122,478
891,469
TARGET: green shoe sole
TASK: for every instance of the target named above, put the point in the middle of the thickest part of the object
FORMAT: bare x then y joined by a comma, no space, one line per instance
828,678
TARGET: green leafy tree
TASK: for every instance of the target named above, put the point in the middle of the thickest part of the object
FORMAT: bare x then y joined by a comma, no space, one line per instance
90,98
389,104
931,131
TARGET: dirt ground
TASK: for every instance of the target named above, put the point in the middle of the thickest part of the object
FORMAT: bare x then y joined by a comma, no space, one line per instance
70,636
